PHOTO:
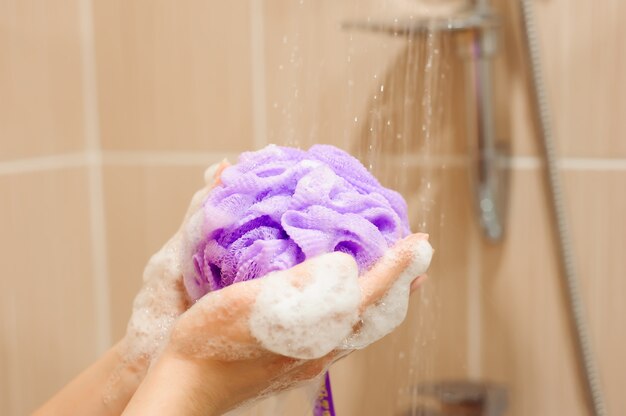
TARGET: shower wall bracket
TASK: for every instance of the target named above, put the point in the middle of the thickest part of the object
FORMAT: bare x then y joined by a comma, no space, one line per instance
475,35
477,48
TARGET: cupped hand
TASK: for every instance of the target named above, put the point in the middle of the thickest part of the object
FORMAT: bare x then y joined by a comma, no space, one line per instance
219,338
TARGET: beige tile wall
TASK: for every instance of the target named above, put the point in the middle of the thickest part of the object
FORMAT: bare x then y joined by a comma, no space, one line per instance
527,336
46,290
47,297
40,69
178,87
174,75
526,329
596,205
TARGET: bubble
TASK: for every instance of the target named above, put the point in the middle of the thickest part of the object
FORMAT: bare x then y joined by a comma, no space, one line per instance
310,319
383,317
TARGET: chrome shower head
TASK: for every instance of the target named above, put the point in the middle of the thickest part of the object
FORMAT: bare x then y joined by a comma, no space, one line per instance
415,26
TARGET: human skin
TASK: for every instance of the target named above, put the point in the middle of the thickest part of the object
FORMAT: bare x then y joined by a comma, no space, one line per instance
176,379
182,383
212,386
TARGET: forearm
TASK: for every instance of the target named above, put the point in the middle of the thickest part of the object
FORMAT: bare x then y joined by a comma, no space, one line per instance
103,389
176,386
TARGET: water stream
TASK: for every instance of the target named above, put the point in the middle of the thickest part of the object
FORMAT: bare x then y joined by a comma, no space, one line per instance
388,100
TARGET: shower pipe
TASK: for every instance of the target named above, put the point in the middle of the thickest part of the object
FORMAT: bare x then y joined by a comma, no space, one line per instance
544,126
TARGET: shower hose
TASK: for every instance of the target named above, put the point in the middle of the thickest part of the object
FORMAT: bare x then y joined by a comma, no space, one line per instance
588,365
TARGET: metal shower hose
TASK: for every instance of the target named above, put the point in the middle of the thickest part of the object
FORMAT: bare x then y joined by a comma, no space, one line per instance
590,372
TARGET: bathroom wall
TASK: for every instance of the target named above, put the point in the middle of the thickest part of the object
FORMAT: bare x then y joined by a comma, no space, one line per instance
47,289
527,335
111,110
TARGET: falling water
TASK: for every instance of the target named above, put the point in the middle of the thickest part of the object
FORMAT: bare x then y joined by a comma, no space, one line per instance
387,100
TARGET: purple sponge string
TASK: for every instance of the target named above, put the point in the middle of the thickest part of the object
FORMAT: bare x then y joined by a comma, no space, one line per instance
324,403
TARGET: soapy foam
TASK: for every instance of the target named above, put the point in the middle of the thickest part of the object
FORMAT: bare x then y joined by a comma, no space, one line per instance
385,315
162,298
310,320
158,304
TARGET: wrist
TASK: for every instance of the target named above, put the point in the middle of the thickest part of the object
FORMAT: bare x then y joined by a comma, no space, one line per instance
126,372
175,385
104,388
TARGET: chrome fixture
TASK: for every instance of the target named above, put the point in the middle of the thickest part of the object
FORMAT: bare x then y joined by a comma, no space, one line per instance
477,31
459,398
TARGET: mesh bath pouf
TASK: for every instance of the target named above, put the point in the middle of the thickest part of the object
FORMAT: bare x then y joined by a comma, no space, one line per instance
279,206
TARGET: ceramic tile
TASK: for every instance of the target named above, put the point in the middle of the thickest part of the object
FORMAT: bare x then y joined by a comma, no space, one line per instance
174,76
596,206
528,345
584,57
47,298
40,79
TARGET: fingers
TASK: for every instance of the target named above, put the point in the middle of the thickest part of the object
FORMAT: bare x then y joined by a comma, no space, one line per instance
415,284
217,176
399,260
286,311
213,173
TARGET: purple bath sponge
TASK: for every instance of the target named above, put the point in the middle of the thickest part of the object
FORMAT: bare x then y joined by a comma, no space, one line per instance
279,206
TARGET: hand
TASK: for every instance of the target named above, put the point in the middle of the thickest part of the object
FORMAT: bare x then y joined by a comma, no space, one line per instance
161,300
221,358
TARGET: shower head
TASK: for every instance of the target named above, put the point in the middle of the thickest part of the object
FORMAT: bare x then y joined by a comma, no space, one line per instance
416,26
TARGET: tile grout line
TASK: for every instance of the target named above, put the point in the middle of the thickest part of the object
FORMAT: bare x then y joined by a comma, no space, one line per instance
257,56
100,273
126,158
188,158
595,164
43,163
